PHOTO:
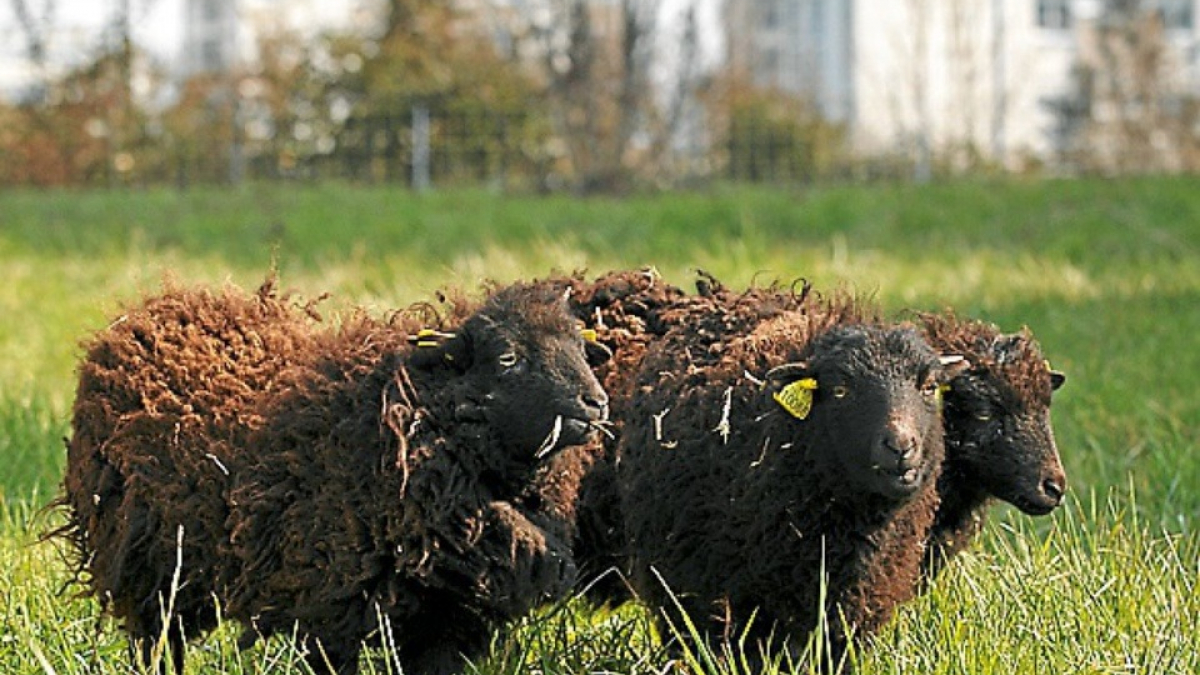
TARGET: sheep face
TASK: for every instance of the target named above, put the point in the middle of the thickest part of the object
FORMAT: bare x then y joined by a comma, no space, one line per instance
874,408
529,380
998,429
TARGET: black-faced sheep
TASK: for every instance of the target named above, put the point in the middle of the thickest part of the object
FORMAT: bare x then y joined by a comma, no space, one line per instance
375,490
762,454
999,442
629,310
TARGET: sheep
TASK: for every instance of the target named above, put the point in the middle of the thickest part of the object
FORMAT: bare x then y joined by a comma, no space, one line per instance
1007,377
767,449
371,486
625,310
158,390
999,442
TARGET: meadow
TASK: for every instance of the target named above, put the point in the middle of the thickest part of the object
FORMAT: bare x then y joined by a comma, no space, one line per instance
1105,273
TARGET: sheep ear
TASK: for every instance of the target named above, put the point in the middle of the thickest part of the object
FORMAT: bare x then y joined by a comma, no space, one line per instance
788,372
596,353
953,365
1057,379
434,348
792,387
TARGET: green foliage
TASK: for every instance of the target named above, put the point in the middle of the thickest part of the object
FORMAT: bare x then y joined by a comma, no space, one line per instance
771,136
1106,274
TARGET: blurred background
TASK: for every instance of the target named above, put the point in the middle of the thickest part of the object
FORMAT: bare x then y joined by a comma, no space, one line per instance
592,95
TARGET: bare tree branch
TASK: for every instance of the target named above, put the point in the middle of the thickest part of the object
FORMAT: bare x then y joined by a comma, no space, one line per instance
36,29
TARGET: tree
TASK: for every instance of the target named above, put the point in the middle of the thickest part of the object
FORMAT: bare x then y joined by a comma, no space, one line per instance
1128,110
770,135
594,63
36,30
434,63
68,139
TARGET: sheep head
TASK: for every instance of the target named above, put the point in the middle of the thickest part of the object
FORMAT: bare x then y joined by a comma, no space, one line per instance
997,419
873,399
524,370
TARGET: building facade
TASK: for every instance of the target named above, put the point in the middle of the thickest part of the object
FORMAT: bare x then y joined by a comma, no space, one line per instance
943,75
210,37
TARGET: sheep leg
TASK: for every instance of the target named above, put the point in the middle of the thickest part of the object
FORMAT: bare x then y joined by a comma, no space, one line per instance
442,655
326,657
527,563
142,649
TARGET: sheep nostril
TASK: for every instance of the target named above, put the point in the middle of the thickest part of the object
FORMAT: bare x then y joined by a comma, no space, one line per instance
1053,489
597,402
903,445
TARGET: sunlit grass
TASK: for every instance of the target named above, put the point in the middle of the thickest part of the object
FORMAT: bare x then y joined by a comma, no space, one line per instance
1099,591
1106,274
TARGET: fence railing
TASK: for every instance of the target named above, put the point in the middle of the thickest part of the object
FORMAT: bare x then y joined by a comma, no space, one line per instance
431,146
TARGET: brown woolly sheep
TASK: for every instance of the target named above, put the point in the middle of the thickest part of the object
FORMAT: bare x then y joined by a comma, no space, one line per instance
625,309
374,489
999,442
628,310
998,439
163,392
743,507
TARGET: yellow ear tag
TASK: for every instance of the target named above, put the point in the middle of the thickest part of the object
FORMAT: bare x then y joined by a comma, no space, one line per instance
589,334
428,337
797,397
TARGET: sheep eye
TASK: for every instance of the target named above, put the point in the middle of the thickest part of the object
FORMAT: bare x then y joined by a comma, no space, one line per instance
983,415
840,391
508,359
929,388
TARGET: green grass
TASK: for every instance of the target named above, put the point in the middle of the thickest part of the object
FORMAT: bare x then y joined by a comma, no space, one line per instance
1106,273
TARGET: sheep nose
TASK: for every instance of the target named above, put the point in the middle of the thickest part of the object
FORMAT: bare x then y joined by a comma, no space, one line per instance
1054,489
596,402
901,441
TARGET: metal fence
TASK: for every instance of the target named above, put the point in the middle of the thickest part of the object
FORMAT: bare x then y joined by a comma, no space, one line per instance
430,146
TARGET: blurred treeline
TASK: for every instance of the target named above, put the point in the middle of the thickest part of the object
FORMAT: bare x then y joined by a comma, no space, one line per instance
578,95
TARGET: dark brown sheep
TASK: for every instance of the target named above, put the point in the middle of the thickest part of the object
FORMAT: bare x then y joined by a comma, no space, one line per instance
999,442
629,310
626,311
377,481
741,507
164,392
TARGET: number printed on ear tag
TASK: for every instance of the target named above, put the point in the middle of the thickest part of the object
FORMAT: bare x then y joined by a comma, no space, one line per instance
797,397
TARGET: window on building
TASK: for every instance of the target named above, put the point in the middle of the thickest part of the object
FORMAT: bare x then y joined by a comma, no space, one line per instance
1054,14
770,62
1177,14
211,55
212,10
770,15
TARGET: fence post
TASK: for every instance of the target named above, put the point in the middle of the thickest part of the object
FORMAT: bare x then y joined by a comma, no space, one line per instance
420,154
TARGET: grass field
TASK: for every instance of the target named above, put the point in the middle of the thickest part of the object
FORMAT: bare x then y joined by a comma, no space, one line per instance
1106,273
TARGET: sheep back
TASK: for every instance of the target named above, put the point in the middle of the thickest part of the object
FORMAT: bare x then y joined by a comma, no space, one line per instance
161,406
378,491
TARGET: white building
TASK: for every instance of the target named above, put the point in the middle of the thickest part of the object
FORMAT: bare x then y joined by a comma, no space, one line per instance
210,31
220,34
938,74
